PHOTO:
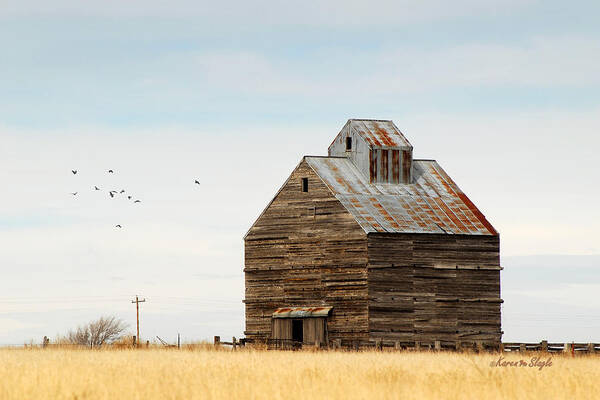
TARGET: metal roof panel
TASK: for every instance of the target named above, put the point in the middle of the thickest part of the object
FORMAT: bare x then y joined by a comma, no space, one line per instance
301,312
433,203
380,133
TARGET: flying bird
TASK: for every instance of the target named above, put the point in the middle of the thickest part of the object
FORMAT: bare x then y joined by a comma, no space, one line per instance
129,197
111,193
137,201
122,191
196,182
96,188
118,226
74,171
110,171
74,193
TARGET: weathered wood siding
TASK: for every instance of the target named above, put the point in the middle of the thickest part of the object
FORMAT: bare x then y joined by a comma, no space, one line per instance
425,287
306,250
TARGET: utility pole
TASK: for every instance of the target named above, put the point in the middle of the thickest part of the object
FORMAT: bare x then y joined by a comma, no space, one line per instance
137,302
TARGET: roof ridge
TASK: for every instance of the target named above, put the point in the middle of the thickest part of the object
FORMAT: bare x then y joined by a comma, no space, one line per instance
326,156
370,119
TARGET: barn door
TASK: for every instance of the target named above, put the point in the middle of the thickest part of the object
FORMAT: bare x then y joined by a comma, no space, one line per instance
282,329
315,331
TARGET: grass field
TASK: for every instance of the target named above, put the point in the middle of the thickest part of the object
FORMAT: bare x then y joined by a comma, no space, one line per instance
206,374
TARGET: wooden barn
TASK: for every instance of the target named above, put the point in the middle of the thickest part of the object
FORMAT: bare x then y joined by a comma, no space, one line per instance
370,245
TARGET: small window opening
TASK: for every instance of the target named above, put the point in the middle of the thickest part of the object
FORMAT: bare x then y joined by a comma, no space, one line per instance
305,184
348,143
297,330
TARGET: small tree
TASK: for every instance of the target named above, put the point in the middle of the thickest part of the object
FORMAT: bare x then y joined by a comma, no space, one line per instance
98,332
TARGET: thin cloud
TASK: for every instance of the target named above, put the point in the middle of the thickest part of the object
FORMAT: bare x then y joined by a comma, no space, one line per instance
241,14
548,62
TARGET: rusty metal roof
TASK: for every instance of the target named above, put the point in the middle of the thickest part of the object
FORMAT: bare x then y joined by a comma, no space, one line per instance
378,133
433,203
301,312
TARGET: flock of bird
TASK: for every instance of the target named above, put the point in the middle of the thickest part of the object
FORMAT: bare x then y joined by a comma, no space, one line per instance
112,193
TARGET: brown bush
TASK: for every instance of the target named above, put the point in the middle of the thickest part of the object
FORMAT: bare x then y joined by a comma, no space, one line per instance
96,333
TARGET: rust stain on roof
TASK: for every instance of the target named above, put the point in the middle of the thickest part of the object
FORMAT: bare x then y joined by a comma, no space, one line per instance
442,181
477,213
385,137
459,226
370,137
302,312
340,179
433,203
377,133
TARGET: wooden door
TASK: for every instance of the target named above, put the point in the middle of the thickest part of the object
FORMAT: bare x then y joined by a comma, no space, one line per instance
315,331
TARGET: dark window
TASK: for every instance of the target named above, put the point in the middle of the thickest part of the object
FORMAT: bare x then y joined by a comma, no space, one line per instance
305,184
297,330
348,143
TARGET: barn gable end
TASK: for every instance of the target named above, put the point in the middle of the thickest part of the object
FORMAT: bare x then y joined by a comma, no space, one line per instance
306,250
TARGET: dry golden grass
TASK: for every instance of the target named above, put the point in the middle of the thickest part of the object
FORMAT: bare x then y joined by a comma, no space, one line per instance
205,374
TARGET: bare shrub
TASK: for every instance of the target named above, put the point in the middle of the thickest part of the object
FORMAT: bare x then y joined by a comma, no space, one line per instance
104,330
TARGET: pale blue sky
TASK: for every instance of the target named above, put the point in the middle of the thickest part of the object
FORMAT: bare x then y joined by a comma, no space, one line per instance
146,64
503,94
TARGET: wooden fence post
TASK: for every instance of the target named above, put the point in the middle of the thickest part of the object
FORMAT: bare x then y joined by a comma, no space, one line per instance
134,340
544,346
217,340
567,347
522,347
233,343
417,346
438,345
591,348
397,345
356,345
501,347
378,345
